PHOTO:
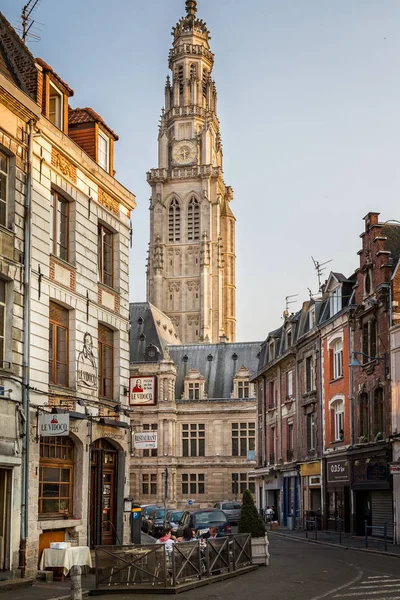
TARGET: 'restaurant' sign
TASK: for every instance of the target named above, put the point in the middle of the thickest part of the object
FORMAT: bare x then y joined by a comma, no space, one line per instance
145,440
337,471
53,425
142,390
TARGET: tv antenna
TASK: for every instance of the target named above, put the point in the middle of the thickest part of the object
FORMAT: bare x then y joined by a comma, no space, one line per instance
28,21
320,268
288,302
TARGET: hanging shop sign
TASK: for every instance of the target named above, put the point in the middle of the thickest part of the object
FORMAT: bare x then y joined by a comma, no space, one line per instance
146,440
53,424
142,390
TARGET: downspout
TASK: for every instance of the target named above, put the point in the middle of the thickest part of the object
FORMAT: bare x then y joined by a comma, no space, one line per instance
26,353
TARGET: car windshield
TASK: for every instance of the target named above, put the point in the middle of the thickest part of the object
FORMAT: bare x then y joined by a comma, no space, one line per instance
176,516
214,516
159,514
148,510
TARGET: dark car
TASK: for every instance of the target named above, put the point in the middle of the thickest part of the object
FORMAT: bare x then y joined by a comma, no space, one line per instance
172,519
201,520
146,510
231,508
155,522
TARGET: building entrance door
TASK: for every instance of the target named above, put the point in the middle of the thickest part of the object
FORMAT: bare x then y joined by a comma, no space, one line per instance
5,517
103,493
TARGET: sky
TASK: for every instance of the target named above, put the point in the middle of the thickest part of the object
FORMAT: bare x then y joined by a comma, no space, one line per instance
309,104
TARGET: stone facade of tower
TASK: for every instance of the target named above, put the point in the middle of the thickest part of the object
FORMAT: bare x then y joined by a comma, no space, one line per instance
191,265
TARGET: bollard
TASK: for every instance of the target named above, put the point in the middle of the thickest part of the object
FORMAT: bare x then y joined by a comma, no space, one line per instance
76,582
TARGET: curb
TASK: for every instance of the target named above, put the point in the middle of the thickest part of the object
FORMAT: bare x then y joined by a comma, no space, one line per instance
85,593
342,546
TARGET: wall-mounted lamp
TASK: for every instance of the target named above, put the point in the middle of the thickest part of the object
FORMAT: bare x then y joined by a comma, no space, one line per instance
356,363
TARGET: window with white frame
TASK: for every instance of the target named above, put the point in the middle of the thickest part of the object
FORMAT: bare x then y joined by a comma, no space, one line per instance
311,317
335,301
103,151
194,391
56,106
338,411
3,188
311,431
289,384
337,359
193,388
310,374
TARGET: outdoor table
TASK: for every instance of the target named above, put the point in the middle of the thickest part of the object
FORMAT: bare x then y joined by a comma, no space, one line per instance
65,559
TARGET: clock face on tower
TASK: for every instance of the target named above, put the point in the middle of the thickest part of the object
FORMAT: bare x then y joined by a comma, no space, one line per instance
184,152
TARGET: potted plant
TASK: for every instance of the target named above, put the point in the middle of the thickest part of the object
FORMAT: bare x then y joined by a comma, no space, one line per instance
251,522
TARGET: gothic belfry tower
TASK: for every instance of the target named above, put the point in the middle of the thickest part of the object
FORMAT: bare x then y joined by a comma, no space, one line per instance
191,264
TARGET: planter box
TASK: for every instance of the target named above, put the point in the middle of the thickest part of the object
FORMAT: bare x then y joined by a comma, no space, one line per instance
259,550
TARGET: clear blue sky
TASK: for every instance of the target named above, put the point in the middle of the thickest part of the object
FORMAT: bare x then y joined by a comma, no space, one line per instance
309,103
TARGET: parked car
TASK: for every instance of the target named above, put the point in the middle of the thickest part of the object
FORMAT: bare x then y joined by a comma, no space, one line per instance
146,510
231,509
172,519
156,522
202,520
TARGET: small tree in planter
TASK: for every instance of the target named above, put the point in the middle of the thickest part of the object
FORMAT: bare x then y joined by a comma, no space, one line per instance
251,522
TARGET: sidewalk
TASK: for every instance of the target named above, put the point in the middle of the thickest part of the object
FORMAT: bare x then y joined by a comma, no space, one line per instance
332,538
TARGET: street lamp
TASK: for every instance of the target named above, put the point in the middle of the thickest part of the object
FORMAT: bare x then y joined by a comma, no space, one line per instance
356,363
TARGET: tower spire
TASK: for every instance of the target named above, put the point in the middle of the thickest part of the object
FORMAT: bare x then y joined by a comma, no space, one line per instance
191,8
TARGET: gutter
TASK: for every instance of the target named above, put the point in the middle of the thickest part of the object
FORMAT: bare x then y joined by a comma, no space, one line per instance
26,353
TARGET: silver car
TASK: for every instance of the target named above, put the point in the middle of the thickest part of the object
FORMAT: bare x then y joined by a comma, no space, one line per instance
231,509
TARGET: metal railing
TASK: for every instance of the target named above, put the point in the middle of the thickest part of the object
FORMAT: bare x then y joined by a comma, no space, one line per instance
150,566
311,523
372,528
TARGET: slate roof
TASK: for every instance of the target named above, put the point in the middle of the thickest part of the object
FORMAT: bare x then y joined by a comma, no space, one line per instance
76,116
218,363
158,330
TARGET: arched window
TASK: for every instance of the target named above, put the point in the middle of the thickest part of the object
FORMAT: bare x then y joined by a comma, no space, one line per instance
364,415
379,414
174,221
337,421
180,79
194,220
56,475
205,81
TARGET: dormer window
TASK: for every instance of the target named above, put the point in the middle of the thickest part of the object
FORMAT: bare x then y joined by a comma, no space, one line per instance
194,385
103,153
242,388
271,350
311,317
335,301
56,106
288,338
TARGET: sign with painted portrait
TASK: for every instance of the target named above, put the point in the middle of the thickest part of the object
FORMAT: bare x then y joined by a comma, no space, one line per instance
53,424
142,391
86,365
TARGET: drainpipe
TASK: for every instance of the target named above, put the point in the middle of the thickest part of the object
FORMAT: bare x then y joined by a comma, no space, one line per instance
26,352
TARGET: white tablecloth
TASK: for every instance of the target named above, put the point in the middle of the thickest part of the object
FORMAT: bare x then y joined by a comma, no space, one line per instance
76,555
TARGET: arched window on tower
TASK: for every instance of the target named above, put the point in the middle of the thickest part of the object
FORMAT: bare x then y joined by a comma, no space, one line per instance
174,222
180,79
194,220
205,81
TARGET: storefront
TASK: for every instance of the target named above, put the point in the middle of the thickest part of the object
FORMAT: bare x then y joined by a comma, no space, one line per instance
311,490
337,500
272,489
290,492
372,489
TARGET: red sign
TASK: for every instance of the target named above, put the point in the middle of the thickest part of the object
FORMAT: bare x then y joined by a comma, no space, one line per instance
395,469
